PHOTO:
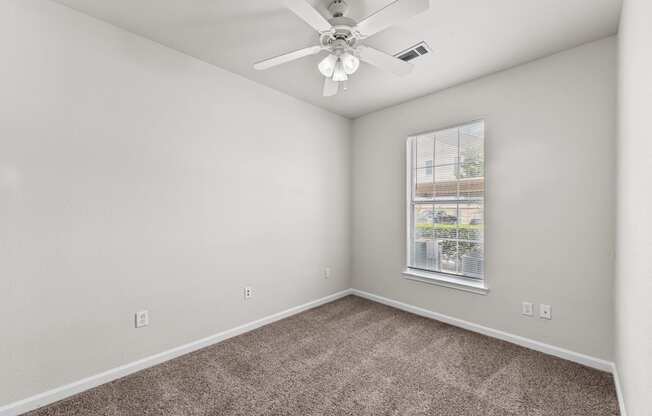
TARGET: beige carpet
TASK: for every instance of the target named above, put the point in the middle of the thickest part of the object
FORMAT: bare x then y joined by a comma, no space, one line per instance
355,357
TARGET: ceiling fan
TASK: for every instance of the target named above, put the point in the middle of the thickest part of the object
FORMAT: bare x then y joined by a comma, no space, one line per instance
341,37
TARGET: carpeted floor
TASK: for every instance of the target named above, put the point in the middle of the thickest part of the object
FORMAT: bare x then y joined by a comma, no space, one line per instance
355,357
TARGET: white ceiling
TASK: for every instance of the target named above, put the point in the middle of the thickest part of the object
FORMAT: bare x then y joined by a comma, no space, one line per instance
469,38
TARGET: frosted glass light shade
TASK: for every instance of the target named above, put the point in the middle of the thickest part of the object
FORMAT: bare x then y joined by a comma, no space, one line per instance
350,63
327,65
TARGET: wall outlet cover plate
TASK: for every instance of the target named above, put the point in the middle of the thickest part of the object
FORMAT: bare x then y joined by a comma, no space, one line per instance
142,318
545,311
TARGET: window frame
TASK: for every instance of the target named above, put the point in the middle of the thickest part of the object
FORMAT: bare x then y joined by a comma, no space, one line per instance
441,278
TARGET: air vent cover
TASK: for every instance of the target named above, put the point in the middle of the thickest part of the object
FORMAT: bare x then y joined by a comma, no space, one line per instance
413,52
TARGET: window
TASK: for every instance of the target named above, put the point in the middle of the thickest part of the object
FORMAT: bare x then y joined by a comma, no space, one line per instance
445,205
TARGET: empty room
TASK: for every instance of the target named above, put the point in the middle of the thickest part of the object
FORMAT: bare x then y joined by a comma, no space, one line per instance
325,207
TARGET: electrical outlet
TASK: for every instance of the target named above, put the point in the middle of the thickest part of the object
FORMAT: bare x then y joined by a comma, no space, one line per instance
545,311
248,292
527,309
142,319
327,272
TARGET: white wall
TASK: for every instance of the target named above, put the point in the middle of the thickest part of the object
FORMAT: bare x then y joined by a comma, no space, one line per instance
551,126
634,246
132,176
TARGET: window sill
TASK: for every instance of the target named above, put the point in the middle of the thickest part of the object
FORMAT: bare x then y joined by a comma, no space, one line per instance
478,287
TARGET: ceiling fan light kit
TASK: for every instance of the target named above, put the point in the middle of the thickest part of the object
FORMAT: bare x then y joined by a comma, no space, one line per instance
340,36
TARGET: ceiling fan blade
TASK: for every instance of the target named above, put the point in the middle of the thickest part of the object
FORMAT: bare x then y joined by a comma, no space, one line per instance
330,87
305,11
390,15
291,56
384,61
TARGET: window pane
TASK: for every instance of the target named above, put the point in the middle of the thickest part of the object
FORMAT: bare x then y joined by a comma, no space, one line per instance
424,185
472,143
472,160
423,220
424,152
472,157
445,219
471,225
449,259
446,147
471,259
423,245
471,188
446,182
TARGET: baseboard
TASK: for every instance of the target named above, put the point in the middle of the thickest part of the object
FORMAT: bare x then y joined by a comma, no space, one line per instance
619,391
60,393
577,357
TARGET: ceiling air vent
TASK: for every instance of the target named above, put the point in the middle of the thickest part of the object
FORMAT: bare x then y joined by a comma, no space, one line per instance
414,51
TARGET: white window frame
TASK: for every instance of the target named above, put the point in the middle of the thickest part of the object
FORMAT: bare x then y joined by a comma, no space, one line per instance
461,282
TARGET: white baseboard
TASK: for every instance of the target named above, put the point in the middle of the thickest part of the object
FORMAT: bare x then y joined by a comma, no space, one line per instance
619,392
60,393
577,357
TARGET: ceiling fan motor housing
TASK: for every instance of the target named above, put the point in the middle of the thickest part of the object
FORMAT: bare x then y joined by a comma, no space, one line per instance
341,36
